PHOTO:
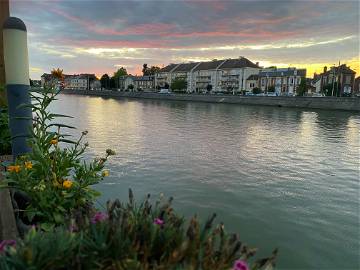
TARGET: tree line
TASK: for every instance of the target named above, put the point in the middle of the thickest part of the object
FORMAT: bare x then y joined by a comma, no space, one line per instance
113,81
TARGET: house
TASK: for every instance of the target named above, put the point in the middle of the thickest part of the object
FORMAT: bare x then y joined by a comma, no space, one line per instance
217,75
234,73
341,76
144,82
284,81
163,77
134,83
357,86
252,82
206,76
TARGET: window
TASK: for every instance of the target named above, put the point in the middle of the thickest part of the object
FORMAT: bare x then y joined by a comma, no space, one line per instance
347,79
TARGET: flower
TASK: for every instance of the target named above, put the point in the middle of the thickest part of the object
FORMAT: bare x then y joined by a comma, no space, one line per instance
98,217
28,165
110,152
14,168
5,243
54,141
240,265
67,184
158,221
105,173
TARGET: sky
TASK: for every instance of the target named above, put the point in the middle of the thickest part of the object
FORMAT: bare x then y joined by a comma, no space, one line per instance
101,36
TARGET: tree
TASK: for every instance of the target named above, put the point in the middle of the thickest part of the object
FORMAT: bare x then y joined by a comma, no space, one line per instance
112,82
271,89
145,69
57,73
178,84
301,90
149,71
120,72
131,87
105,81
256,90
208,87
328,89
166,86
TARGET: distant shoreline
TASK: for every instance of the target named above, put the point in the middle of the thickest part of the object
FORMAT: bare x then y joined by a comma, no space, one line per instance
326,103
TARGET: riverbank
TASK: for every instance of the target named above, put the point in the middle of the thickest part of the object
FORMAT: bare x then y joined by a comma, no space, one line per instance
327,103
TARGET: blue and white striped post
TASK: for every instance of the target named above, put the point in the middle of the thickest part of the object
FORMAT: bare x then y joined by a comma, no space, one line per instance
17,83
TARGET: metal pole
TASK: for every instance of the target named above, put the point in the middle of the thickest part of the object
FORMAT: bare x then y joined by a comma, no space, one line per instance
333,81
17,83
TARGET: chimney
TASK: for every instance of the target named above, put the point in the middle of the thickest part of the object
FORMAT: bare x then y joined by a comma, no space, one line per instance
257,63
325,69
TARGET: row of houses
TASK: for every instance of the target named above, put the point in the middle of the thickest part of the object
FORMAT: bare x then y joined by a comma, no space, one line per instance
231,75
340,77
227,76
77,81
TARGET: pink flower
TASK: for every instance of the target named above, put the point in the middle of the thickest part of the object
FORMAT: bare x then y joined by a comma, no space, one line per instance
98,217
5,243
240,265
158,221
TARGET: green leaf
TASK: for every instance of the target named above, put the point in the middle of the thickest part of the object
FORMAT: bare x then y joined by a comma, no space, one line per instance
61,125
60,115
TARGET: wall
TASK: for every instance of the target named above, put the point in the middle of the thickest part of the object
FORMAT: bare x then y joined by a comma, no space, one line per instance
328,103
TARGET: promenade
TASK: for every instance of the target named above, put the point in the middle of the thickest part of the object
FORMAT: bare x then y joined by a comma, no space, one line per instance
327,103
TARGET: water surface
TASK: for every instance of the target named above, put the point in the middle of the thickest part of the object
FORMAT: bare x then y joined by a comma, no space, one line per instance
281,177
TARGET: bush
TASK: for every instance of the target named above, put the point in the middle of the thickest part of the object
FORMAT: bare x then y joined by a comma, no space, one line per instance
5,136
256,90
131,236
55,179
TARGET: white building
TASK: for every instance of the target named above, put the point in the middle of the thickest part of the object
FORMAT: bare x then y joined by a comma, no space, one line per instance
284,81
227,75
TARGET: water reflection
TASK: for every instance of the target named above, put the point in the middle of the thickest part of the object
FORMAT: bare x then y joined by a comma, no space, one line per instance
283,177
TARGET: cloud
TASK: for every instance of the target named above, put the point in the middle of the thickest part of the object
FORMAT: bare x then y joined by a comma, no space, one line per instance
85,36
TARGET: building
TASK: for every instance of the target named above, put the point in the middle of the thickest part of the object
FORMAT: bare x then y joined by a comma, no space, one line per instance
163,77
252,82
341,76
234,74
227,75
357,86
283,81
136,83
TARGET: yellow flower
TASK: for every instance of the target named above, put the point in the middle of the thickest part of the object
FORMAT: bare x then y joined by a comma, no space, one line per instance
14,168
28,165
54,141
67,184
105,173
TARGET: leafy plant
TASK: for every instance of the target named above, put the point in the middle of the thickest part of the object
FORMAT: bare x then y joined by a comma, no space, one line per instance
56,179
5,136
134,237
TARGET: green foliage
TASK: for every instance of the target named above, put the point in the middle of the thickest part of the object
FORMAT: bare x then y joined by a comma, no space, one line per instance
120,72
56,179
256,90
178,84
271,89
5,136
133,237
150,71
328,89
105,81
301,90
131,87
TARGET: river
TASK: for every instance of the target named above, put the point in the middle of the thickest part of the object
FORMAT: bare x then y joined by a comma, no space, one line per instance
281,177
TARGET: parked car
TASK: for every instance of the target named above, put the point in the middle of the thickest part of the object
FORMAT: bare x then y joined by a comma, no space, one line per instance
164,91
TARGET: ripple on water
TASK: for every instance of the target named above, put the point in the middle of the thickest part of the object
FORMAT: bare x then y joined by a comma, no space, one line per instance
281,177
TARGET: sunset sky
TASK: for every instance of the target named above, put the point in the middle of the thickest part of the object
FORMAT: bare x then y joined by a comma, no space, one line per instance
100,36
